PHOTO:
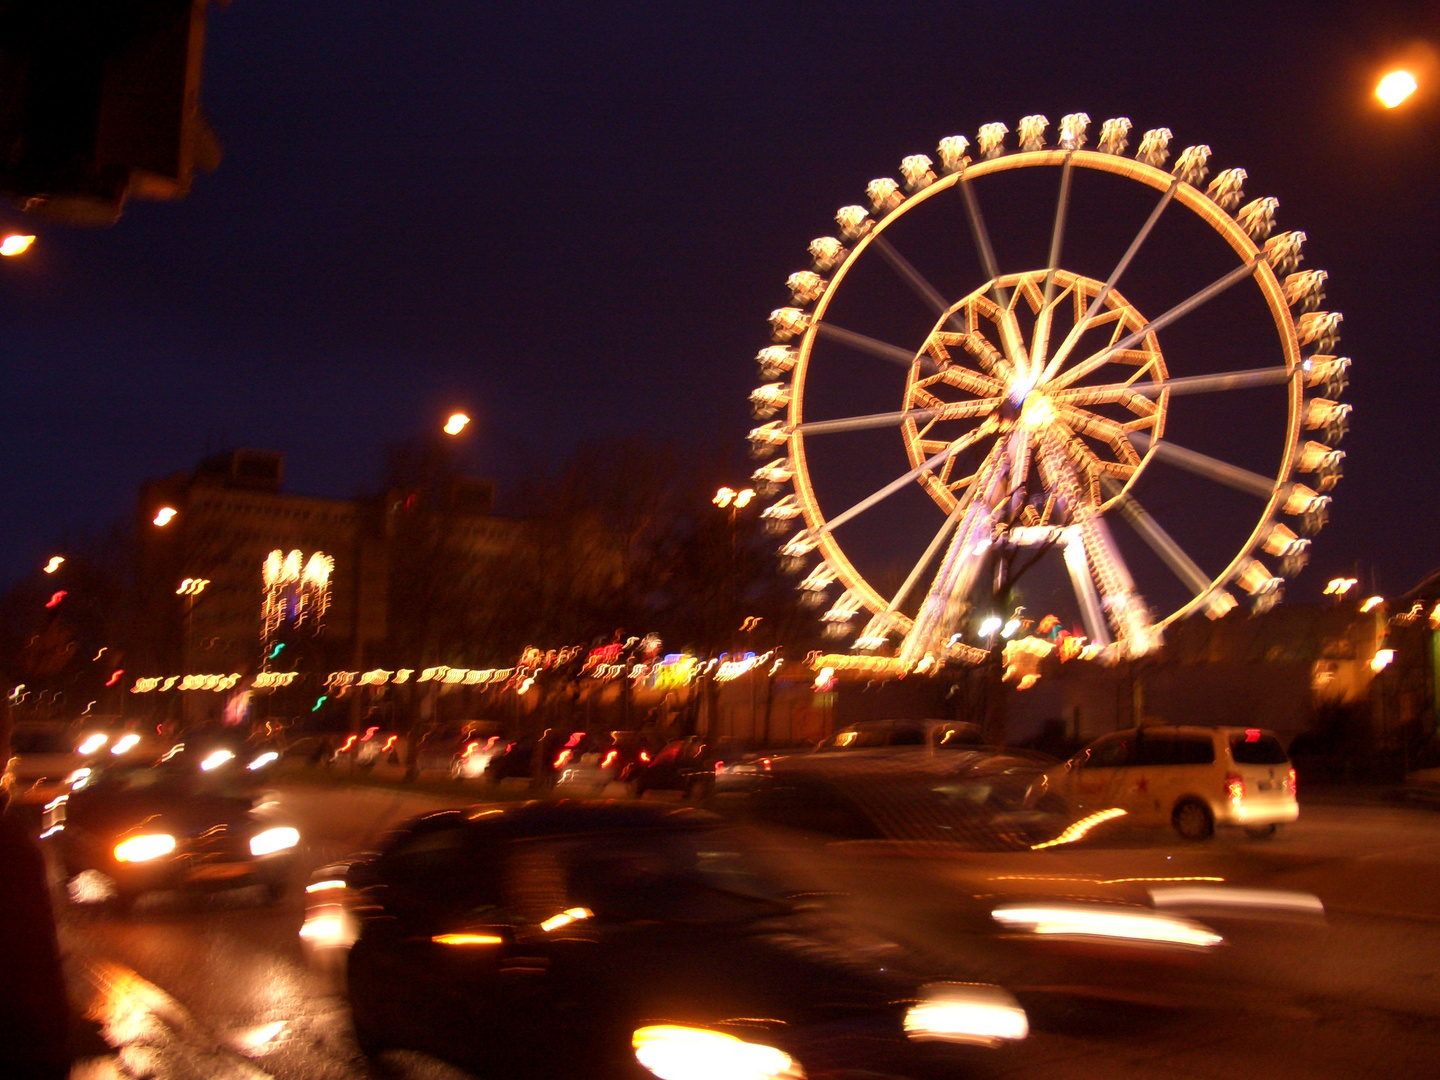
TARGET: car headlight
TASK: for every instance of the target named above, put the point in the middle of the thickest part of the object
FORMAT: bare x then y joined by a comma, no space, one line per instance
144,847
675,1052
273,840
263,760
966,1013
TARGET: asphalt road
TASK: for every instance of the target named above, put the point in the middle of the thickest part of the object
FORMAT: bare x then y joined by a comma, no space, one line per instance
216,986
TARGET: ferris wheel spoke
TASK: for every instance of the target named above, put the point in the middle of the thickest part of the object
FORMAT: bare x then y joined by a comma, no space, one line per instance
1190,384
1057,236
1214,289
966,379
981,236
883,349
928,465
916,280
1158,540
1222,472
1063,353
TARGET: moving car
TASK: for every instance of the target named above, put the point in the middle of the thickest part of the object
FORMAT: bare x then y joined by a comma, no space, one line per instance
595,762
616,939
1191,778
170,824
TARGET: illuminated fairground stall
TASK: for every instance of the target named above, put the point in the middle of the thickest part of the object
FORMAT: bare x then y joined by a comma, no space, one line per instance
959,390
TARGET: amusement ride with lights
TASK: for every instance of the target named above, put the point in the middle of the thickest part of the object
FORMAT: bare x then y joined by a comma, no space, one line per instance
1040,396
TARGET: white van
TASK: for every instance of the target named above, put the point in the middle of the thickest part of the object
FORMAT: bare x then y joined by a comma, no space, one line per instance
1190,777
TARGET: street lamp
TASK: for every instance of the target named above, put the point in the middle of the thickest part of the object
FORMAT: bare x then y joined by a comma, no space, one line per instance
729,498
54,563
165,515
1395,87
15,244
456,423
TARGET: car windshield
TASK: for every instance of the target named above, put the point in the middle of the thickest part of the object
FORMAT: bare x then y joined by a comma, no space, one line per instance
40,742
700,876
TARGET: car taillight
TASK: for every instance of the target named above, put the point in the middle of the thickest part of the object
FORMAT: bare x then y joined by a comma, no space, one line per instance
563,757
470,749
765,764
644,756
1290,782
719,766
609,759
1234,787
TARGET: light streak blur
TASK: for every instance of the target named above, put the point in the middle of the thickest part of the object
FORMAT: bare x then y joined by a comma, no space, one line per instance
192,586
165,515
263,760
124,743
990,625
15,244
971,1013
468,939
326,929
215,760
1122,924
1340,586
92,743
115,676
1078,829
1211,897
1394,88
674,1052
144,848
327,884
565,918
54,563
1371,604
78,779
55,598
456,423
273,840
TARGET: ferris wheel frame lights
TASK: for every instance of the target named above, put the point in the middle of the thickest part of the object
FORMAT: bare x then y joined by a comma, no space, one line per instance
1041,408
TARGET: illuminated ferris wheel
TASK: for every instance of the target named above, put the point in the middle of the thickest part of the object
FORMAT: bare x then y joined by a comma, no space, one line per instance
1039,397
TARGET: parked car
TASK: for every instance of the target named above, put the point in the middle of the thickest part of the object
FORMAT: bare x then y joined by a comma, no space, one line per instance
697,768
170,824
595,762
1191,778
888,735
622,940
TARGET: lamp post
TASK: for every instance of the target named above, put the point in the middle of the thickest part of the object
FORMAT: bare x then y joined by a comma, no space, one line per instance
733,501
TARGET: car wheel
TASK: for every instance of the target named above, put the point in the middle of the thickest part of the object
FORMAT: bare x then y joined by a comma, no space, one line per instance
1192,820
1261,832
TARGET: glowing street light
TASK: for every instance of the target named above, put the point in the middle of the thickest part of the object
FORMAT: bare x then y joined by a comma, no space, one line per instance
54,563
456,424
15,244
1371,604
729,496
1383,659
165,515
990,626
1394,88
192,586
1339,586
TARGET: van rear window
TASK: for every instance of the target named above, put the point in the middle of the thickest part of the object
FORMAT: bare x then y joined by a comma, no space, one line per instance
1253,748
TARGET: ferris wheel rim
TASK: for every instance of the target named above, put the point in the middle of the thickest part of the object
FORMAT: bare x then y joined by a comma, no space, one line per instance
1183,192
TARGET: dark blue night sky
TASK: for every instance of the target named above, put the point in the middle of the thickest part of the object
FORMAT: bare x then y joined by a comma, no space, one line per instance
572,219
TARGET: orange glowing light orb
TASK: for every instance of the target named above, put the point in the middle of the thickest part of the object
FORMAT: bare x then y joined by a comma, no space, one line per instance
54,563
456,423
165,515
1395,87
15,244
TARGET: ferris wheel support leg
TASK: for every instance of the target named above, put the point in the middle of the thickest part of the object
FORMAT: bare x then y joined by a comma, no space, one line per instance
1126,609
1091,613
944,604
